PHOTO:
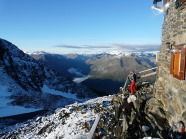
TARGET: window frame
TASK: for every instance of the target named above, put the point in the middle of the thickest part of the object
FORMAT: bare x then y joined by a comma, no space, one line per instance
180,49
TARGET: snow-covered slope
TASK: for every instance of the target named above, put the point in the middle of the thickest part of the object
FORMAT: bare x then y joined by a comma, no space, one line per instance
25,82
9,87
72,122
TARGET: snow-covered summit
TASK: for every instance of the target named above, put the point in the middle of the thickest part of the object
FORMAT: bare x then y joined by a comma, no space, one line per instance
113,53
36,53
132,53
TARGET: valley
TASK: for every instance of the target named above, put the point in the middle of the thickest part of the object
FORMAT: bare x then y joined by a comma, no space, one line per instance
104,73
93,69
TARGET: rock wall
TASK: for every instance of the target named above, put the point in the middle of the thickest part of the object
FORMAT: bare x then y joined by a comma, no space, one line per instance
170,91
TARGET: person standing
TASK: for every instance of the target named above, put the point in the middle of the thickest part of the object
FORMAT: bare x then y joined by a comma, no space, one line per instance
132,78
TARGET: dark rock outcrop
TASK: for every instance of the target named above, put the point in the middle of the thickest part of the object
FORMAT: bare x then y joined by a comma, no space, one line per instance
149,120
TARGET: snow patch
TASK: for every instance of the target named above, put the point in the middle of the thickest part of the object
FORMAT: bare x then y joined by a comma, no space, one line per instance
9,110
45,89
81,79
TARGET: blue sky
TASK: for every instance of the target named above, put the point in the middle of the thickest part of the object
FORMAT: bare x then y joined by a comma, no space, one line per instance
68,26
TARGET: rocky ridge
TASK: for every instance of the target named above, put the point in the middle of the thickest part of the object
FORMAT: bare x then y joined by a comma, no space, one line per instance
149,115
37,86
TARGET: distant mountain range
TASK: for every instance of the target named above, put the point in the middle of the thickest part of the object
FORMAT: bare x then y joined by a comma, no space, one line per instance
64,64
104,72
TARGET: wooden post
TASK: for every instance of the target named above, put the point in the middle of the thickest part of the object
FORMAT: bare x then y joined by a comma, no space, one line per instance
92,131
146,75
125,84
147,70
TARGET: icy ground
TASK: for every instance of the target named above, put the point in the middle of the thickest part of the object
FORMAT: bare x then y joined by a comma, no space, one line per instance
72,122
9,110
45,89
5,93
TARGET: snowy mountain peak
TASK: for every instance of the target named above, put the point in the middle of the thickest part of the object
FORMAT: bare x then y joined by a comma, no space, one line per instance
131,53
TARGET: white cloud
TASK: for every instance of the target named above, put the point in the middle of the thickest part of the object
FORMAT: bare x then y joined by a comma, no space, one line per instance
108,47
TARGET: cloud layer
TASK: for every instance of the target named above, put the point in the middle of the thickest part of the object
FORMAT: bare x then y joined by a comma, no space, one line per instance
106,47
83,46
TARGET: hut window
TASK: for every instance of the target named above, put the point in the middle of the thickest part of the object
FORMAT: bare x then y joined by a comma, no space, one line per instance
178,62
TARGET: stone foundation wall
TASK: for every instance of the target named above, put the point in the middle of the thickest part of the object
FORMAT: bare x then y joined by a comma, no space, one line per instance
169,90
